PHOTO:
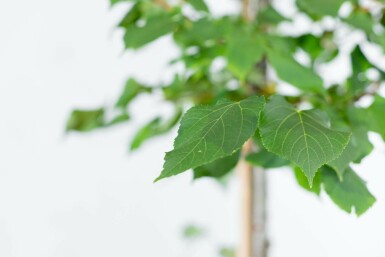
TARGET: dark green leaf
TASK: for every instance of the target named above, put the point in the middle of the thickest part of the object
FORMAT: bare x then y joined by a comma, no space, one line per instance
85,120
266,159
302,137
208,133
217,168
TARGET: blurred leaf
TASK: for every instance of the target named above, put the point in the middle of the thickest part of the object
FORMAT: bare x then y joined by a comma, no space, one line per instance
155,27
132,16
154,128
217,168
361,19
349,193
289,70
358,81
375,115
193,232
199,5
130,91
122,117
244,52
85,120
207,133
359,126
316,8
271,16
227,252
203,31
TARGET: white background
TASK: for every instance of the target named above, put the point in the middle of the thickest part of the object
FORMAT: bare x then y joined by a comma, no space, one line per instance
85,195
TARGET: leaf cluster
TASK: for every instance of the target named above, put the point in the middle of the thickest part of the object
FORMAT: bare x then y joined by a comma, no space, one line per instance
319,131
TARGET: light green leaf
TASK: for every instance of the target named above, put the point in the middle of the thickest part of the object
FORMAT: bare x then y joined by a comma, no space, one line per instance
208,133
130,91
199,5
271,16
154,128
266,159
193,232
302,137
227,252
289,70
349,193
217,168
304,183
243,53
320,8
361,20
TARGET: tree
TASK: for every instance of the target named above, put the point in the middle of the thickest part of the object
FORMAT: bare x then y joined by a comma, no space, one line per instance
236,73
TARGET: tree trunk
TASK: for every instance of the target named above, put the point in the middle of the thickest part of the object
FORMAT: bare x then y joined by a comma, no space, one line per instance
254,241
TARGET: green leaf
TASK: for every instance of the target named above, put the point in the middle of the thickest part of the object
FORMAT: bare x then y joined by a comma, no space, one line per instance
155,27
121,117
271,16
208,133
358,81
294,73
199,5
360,126
343,161
320,49
85,120
130,91
217,168
193,232
132,16
361,19
202,32
304,183
349,193
302,137
243,53
375,115
316,8
154,128
227,252
266,159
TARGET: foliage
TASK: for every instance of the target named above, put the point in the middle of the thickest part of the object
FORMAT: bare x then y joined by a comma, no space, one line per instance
318,131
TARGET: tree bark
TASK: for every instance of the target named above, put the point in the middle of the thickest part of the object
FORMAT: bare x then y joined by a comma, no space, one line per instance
253,241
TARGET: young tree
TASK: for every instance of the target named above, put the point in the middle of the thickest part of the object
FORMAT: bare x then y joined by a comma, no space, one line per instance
242,109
